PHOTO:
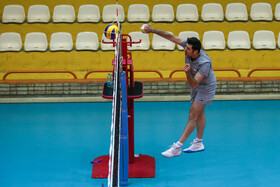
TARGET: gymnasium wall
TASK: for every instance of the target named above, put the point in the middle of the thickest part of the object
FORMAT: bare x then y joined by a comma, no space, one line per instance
81,62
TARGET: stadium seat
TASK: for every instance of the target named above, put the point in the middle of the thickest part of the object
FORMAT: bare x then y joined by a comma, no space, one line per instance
89,13
35,41
63,13
187,12
10,41
163,13
137,36
61,41
278,42
261,12
105,46
213,40
138,13
160,43
264,39
87,41
277,12
238,40
185,35
109,13
38,13
212,12
13,14
236,12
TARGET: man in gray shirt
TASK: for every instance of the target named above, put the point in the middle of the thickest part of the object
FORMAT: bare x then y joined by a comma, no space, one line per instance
201,78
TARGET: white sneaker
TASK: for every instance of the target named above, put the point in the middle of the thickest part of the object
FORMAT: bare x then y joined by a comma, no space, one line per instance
195,147
175,150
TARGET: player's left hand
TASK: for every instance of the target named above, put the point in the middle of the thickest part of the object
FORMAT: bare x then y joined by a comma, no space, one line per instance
187,67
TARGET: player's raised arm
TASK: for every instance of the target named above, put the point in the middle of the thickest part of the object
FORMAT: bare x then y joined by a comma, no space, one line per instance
148,29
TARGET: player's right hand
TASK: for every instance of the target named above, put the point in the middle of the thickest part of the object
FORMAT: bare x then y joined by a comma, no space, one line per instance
147,29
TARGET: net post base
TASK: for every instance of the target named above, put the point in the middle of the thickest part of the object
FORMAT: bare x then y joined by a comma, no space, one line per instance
144,166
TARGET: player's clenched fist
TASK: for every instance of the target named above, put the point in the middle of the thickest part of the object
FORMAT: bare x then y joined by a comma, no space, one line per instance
187,67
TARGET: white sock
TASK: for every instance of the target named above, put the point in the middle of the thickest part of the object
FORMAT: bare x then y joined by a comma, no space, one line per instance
198,140
179,144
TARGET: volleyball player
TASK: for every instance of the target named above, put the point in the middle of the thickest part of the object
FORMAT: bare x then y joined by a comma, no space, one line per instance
202,81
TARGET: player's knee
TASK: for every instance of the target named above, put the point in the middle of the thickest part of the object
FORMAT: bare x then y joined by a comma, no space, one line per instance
192,116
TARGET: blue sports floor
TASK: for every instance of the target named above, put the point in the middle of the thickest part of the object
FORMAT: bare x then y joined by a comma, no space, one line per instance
52,144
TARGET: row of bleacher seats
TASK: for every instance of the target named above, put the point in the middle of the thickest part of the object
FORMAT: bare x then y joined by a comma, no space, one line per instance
62,41
141,13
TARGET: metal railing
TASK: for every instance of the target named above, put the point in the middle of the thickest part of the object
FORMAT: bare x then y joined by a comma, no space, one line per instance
262,69
160,77
39,71
232,70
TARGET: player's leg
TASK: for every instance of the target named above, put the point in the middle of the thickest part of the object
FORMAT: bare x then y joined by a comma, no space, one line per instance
197,144
194,113
196,108
176,149
200,125
204,98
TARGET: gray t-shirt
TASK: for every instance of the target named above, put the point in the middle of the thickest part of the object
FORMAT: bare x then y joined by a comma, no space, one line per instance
203,66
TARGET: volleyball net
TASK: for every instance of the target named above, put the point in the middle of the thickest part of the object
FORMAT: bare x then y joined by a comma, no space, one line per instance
118,152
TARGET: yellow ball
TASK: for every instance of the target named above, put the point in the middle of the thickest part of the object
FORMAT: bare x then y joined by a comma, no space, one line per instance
111,31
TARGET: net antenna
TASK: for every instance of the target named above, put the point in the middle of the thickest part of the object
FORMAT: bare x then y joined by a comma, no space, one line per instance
114,151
